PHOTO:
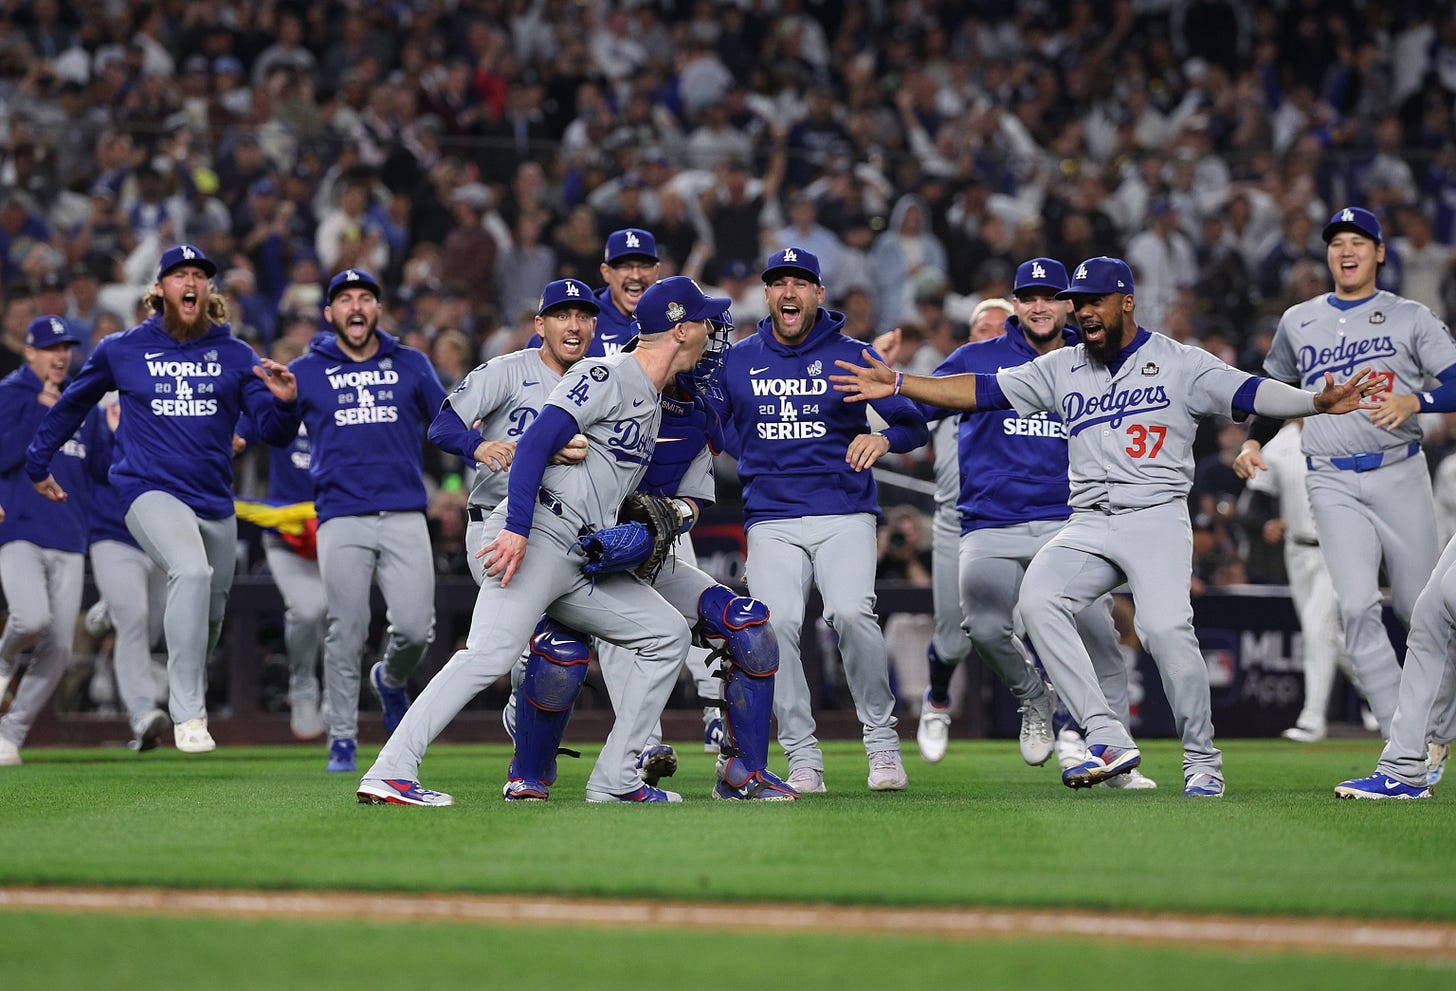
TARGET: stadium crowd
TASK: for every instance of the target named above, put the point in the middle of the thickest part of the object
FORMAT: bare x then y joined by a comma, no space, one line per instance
469,151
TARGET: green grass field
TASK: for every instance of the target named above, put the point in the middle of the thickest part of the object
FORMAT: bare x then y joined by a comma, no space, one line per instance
980,829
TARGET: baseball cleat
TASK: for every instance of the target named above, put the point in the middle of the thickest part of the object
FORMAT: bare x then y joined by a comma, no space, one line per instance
341,755
1303,734
887,771
98,619
1103,761
521,790
932,735
807,780
148,731
762,786
1436,754
1201,784
657,762
1036,727
396,791
9,754
1071,749
1380,785
191,736
646,793
396,701
305,719
1133,780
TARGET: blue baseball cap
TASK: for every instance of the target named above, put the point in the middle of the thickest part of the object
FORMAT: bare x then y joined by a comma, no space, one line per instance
630,242
351,277
564,292
668,303
48,331
798,260
1040,273
1099,276
1354,218
185,254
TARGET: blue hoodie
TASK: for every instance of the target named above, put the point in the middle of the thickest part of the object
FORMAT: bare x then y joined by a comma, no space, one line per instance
30,516
790,430
1013,469
180,401
366,421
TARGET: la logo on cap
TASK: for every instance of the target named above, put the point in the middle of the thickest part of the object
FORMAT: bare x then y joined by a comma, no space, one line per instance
350,276
1347,215
571,289
56,327
1081,272
1037,272
189,254
790,255
633,241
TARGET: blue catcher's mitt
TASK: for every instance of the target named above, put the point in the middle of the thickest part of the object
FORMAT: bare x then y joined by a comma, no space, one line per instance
640,545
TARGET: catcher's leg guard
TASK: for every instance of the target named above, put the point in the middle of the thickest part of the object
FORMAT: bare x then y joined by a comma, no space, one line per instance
555,671
739,627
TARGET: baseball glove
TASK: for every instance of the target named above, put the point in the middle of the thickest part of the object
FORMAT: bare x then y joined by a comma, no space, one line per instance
640,544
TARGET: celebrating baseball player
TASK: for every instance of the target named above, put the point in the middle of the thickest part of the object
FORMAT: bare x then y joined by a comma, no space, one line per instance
1012,501
366,400
615,402
809,507
678,481
1130,400
1367,482
629,266
42,544
182,379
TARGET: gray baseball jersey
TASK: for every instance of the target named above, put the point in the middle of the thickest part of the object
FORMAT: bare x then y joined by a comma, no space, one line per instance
1130,448
504,394
1368,487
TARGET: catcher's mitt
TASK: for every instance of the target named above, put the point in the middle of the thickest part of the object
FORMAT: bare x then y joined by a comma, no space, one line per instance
640,544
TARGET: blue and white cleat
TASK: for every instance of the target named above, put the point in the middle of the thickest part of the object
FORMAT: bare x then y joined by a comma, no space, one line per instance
523,790
657,762
646,793
395,791
341,755
712,731
1203,785
761,786
1380,785
1103,761
396,701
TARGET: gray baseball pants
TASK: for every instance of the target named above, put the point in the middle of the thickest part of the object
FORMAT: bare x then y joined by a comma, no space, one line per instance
135,591
305,615
43,590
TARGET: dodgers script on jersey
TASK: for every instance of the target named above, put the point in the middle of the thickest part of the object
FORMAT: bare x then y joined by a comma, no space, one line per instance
617,407
505,395
1402,342
1130,435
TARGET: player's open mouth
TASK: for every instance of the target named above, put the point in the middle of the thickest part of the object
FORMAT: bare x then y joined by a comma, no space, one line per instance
634,288
1093,332
189,302
789,314
571,342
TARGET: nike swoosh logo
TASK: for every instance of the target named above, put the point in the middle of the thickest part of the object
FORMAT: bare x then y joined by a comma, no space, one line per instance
669,440
1392,785
330,371
527,385
1308,322
636,403
1078,368
758,371
153,354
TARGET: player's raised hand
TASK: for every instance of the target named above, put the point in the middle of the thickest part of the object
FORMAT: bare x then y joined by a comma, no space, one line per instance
1352,394
1250,460
51,489
872,380
278,379
503,556
495,454
574,453
888,345
1395,409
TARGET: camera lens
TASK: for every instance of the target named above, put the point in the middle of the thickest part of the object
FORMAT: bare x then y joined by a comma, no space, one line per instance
897,539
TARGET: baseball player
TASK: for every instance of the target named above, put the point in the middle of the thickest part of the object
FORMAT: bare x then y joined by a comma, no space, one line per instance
182,379
1130,400
1012,501
366,400
1367,484
1309,580
678,480
629,266
293,563
615,402
810,505
42,544
133,589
